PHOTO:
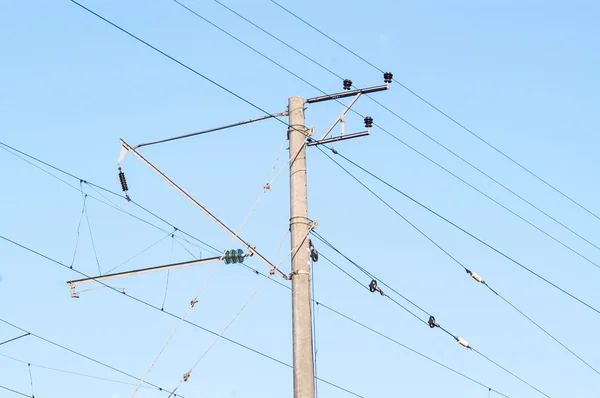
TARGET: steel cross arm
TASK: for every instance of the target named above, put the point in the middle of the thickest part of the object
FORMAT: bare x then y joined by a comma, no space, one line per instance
256,119
251,249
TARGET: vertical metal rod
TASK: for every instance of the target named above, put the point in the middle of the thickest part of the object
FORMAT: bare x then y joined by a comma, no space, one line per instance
304,382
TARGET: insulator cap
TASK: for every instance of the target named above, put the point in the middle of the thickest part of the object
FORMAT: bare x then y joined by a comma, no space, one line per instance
347,84
368,122
387,77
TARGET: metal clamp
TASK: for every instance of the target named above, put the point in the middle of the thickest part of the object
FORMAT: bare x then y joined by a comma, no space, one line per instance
374,288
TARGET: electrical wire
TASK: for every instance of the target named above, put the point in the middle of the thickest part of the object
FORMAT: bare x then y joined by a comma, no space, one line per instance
62,347
15,392
451,223
417,129
454,336
69,372
149,305
140,253
14,339
12,150
87,219
30,379
188,373
386,337
459,263
442,113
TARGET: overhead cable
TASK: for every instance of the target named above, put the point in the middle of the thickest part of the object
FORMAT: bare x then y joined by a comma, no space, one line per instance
512,160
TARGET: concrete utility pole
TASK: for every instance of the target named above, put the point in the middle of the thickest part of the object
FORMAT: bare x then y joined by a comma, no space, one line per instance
304,378
299,137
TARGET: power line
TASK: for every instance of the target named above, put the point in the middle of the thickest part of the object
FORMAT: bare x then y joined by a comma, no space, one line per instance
319,304
433,323
147,304
39,337
449,222
14,338
392,135
458,262
442,113
68,371
15,392
9,148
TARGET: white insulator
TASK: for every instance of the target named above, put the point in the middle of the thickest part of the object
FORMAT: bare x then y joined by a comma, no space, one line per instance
463,342
477,277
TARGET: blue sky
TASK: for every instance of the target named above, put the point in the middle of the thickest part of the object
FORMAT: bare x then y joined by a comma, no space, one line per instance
523,75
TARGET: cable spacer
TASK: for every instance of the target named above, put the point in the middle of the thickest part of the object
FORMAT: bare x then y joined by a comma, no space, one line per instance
374,288
187,375
432,322
193,302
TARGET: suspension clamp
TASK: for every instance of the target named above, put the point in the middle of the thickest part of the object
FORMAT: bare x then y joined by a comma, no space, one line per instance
374,288
433,323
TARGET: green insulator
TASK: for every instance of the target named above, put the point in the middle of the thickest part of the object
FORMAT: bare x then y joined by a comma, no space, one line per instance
240,254
227,257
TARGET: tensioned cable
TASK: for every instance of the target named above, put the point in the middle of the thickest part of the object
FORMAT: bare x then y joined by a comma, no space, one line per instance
214,270
392,135
11,150
442,113
189,372
68,371
62,347
453,224
15,392
319,304
147,304
468,271
420,131
454,336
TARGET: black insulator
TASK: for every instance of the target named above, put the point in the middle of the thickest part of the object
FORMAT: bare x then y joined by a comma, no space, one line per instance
373,286
387,77
347,84
432,322
368,122
123,181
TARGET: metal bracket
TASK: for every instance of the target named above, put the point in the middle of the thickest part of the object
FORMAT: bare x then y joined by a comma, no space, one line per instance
340,118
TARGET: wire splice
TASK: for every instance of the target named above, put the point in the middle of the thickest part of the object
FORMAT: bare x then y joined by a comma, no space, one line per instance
463,342
475,276
374,288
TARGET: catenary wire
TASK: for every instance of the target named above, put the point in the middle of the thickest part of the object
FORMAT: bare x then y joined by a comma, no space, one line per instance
452,335
422,132
62,347
342,315
451,223
109,203
444,114
186,66
152,306
14,339
395,137
15,392
463,266
431,138
69,372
